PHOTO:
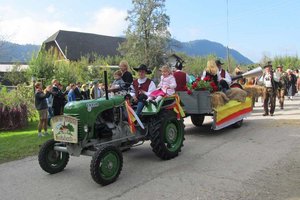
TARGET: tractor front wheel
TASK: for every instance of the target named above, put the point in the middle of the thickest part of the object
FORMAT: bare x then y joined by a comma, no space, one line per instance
50,160
106,165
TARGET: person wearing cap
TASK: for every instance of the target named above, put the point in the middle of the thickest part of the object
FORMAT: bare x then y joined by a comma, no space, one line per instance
141,87
225,79
269,92
126,75
281,76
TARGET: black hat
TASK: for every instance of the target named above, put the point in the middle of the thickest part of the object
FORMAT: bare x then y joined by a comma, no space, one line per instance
218,62
143,67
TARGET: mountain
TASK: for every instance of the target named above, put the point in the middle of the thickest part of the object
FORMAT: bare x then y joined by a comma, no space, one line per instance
11,52
206,47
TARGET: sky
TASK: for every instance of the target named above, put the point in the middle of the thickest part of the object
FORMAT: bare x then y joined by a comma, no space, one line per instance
253,27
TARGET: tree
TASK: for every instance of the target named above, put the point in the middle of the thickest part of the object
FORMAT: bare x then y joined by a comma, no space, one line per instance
147,35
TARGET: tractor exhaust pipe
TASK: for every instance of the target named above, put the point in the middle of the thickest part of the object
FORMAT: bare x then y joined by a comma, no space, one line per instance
106,84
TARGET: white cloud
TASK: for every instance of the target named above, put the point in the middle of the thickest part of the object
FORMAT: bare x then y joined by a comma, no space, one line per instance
30,31
108,21
51,9
21,29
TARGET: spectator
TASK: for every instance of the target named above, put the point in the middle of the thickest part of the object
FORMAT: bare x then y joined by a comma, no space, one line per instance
57,97
50,109
96,92
291,84
42,107
71,93
85,92
78,92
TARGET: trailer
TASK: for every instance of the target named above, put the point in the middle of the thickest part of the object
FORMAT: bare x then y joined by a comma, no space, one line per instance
198,105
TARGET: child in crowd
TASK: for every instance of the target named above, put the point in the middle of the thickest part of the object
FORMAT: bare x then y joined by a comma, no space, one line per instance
166,86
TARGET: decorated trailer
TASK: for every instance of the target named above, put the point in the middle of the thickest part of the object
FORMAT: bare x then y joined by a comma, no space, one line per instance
198,105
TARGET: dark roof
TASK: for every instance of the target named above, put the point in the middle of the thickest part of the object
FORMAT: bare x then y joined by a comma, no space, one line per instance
76,44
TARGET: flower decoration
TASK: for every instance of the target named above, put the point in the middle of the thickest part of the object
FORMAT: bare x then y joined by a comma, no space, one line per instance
202,85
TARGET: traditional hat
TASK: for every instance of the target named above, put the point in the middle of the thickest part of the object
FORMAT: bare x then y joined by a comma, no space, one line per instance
218,62
269,64
143,67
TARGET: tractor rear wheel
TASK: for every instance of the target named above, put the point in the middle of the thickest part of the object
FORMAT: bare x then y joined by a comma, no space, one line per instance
167,135
106,165
50,160
197,120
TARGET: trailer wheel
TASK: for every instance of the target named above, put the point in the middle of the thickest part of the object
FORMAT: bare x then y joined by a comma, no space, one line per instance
50,160
167,135
197,120
238,124
106,165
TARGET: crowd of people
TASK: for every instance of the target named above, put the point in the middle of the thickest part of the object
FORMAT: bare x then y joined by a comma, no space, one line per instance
278,84
143,90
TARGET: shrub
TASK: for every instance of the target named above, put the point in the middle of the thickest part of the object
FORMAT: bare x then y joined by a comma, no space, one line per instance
16,107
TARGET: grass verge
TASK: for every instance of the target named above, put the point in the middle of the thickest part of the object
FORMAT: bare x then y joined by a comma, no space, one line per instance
21,143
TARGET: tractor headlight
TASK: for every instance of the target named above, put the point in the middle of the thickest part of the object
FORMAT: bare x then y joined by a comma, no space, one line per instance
86,128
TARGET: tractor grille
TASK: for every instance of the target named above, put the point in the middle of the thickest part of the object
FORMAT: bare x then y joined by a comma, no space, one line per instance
80,126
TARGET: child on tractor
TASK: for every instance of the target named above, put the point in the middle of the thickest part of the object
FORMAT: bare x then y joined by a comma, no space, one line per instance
166,86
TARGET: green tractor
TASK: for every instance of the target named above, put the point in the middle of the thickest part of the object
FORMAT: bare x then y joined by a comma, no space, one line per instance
101,129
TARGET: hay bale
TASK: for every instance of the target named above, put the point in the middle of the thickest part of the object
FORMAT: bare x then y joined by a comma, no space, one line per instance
218,99
236,94
254,90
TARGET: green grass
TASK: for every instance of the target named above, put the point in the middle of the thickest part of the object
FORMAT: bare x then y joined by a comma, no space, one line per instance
21,143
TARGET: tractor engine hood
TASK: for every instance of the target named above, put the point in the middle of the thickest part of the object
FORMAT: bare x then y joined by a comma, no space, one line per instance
90,107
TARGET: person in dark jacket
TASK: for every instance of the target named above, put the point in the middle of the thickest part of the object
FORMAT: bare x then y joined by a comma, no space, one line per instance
291,84
42,107
126,75
57,98
77,91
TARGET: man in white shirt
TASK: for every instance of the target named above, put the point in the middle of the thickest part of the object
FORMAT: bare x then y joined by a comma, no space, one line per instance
269,92
141,87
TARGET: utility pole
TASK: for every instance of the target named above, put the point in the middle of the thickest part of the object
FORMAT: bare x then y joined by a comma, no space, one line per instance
228,60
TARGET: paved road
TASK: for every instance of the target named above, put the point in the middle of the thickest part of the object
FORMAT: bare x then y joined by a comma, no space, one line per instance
260,160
